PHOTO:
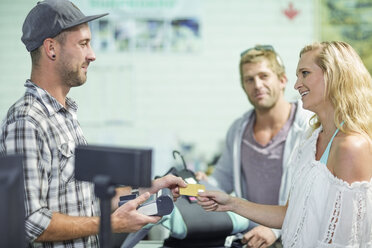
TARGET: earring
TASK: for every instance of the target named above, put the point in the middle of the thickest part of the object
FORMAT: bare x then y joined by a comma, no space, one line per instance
53,56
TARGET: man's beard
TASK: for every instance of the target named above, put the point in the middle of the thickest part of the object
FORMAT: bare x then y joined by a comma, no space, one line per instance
73,77
265,105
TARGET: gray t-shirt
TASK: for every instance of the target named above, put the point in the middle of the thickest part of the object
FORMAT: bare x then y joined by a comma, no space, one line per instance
262,165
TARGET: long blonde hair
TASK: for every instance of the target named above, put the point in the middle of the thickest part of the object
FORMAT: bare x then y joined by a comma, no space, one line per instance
348,86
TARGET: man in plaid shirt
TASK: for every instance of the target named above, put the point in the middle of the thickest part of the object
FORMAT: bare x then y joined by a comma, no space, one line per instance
43,127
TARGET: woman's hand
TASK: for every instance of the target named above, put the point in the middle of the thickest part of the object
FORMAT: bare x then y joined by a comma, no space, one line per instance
216,201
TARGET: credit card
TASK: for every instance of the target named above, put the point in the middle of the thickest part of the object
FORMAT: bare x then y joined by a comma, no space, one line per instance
192,189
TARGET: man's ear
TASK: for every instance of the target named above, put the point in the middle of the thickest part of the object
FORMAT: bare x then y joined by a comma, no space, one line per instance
49,46
283,81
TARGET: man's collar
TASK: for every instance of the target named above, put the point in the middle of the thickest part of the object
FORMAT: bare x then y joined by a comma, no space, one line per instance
50,103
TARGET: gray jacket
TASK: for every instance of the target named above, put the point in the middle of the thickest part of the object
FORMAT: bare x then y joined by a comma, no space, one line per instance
227,173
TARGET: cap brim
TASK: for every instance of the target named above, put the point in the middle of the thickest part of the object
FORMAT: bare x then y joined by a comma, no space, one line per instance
84,20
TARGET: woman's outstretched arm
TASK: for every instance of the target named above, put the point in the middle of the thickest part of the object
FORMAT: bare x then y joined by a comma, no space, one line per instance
267,215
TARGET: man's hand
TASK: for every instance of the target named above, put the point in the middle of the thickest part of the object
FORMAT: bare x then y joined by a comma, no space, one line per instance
259,237
169,181
119,191
127,219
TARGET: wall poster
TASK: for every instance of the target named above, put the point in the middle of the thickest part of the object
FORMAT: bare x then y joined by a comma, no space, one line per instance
146,25
349,21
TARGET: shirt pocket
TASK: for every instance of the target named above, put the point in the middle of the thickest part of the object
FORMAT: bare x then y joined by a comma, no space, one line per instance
66,156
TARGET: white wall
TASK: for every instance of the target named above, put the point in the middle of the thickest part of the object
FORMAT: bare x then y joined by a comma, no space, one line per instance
168,98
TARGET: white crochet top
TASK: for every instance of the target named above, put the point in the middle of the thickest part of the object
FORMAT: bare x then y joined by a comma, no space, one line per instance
323,210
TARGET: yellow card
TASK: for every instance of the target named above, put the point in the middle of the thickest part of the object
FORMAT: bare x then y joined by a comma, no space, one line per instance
192,189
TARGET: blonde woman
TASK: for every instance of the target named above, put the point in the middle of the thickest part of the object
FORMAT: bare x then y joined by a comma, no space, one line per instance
330,203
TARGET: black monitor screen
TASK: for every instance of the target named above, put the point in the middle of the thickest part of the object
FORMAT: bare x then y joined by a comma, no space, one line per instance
12,210
125,166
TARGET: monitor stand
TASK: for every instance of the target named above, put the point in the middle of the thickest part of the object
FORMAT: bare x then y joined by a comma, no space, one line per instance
104,190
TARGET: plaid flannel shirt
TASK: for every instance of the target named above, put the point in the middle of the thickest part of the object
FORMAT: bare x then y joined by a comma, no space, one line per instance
46,133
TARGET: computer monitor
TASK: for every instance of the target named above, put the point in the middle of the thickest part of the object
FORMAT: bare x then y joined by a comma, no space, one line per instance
12,209
108,166
124,166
